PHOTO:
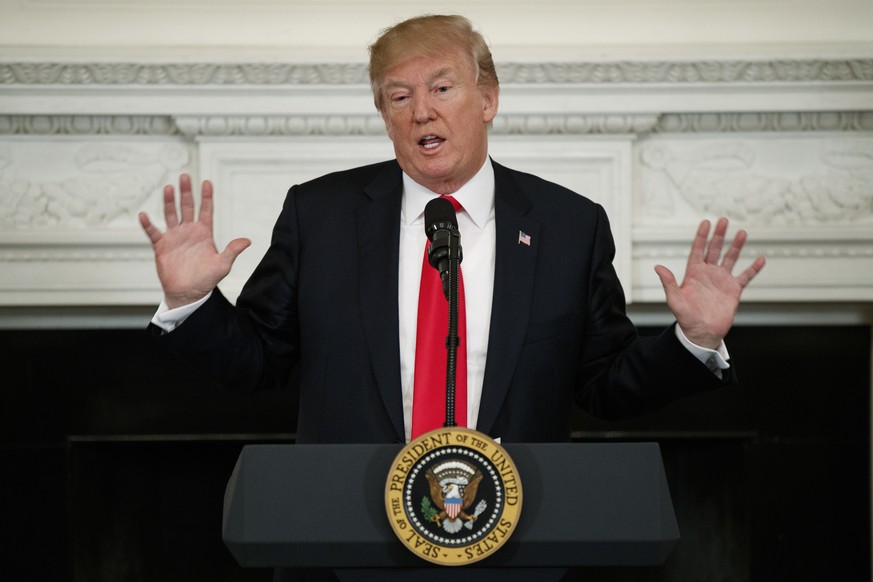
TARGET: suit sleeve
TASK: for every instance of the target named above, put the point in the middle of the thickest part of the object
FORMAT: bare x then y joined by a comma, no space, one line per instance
622,374
254,344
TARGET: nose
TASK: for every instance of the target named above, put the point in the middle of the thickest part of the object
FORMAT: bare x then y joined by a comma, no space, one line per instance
422,110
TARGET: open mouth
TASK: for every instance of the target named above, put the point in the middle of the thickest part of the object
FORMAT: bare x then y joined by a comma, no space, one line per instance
430,142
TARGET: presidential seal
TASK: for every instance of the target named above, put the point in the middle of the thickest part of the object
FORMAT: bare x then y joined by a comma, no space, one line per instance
453,496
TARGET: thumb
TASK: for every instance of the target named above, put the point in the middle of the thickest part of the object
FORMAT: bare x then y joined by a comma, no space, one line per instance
234,248
668,280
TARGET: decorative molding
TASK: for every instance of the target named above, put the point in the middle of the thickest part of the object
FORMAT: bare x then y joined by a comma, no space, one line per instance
508,124
281,125
87,125
504,124
182,74
648,72
272,74
822,249
75,253
763,122
334,125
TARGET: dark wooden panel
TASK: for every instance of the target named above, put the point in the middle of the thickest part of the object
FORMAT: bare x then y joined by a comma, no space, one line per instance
152,511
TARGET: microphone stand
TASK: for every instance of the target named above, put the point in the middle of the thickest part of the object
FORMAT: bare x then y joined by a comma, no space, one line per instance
452,340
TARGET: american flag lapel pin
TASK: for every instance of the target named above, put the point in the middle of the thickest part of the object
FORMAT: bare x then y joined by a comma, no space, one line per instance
523,238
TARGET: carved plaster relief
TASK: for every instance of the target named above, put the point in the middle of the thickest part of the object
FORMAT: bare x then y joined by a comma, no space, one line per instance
770,182
46,186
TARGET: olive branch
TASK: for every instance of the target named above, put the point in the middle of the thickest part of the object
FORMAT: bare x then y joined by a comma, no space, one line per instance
427,509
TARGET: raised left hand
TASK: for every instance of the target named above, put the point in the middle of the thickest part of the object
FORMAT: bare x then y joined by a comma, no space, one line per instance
706,302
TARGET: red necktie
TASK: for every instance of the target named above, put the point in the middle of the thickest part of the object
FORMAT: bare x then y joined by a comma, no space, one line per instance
429,391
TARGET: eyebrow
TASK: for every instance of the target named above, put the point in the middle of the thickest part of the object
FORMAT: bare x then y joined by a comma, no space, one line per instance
443,72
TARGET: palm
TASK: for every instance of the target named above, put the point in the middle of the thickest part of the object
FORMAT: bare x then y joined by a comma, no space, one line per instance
706,302
188,263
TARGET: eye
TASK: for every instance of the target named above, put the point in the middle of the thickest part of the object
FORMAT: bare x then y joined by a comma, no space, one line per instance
443,89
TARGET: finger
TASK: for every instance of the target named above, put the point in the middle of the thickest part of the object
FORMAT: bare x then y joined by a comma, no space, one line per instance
186,198
170,216
151,231
746,276
733,253
206,203
713,251
698,245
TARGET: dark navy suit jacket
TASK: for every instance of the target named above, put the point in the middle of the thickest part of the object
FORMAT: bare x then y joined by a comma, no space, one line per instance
324,298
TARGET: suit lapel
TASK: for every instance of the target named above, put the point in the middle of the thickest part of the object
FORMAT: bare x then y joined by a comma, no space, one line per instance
378,286
515,261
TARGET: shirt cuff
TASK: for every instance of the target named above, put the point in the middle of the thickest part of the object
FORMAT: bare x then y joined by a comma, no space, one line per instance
715,360
169,319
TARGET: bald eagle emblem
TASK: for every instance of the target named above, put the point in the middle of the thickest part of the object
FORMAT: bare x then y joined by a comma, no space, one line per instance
453,485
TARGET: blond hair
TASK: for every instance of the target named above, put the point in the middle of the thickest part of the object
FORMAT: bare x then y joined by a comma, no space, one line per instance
429,35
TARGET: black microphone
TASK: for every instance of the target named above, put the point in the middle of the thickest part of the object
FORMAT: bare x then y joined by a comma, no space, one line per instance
441,228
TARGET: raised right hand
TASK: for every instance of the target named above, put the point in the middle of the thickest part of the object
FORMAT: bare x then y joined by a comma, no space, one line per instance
188,262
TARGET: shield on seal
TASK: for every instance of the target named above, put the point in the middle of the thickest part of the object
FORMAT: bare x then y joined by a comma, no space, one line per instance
453,507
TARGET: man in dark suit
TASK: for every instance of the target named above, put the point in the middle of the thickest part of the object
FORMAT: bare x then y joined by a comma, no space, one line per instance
335,292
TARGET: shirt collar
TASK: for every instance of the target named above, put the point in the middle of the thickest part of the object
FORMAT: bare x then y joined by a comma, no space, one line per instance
476,197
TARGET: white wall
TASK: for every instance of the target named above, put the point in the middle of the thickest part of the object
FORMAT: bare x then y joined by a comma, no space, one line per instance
340,30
